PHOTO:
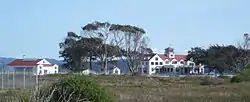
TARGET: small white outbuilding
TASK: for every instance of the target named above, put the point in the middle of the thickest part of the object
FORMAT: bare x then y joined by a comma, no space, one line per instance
115,71
88,72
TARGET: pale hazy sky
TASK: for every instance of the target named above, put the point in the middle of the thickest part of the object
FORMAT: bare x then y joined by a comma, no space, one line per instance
35,27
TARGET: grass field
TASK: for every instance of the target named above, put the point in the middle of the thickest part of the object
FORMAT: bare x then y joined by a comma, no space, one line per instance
144,89
152,89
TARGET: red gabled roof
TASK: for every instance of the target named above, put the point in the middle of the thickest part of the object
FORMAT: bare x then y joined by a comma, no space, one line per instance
164,57
180,57
21,62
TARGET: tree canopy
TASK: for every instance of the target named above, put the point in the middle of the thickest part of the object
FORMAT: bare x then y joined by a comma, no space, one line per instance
104,41
221,58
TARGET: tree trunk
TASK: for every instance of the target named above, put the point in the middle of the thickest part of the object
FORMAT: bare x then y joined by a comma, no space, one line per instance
90,61
103,64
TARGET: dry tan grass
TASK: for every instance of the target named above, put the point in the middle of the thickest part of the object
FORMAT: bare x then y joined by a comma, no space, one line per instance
152,89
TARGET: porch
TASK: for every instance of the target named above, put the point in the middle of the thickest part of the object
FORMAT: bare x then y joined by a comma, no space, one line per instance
171,70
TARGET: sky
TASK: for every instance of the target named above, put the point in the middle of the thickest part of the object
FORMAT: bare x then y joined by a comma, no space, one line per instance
35,27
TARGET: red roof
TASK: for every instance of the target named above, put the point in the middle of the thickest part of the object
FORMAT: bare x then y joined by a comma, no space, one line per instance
47,65
162,56
21,62
180,57
177,57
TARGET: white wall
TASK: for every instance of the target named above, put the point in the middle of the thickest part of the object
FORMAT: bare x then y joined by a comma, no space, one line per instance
116,69
50,69
43,62
153,60
152,67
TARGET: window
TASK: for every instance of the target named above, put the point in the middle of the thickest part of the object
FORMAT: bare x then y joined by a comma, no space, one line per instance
191,64
146,63
182,62
177,69
152,69
116,71
142,63
156,63
43,61
152,63
174,62
40,67
55,67
171,69
160,63
167,62
168,69
45,71
156,58
55,71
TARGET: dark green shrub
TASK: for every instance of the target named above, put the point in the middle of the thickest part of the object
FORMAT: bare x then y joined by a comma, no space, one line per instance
236,79
78,88
244,75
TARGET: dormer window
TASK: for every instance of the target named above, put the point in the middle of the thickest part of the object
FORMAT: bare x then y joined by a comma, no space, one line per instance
174,62
191,64
156,58
166,62
182,62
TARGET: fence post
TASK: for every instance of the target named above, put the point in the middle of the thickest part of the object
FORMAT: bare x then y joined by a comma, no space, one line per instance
24,78
8,78
14,78
2,77
37,80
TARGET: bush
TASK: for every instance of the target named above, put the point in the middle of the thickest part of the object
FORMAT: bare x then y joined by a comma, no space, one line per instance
79,88
236,79
244,75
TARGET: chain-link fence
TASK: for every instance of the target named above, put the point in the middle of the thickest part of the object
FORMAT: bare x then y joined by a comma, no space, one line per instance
18,78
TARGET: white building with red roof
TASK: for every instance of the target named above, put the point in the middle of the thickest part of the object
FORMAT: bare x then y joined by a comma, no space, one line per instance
154,62
33,66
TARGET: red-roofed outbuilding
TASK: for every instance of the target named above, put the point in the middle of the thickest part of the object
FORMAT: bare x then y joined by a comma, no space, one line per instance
34,66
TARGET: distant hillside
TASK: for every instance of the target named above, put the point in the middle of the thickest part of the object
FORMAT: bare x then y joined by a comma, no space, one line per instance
95,65
54,61
6,60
